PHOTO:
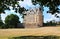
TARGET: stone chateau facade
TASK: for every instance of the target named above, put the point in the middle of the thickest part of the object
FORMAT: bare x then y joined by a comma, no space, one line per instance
33,18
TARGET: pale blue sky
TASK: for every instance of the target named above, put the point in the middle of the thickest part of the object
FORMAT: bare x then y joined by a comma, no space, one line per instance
28,4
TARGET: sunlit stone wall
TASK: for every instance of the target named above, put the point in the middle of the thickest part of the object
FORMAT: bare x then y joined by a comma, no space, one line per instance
33,18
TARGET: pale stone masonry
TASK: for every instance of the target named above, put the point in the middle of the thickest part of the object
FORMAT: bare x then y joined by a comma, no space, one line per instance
33,18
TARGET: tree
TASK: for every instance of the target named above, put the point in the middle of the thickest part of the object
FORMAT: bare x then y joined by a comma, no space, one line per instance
52,4
4,5
50,23
1,23
11,21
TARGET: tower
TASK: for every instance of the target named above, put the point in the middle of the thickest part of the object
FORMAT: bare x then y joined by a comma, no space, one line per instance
33,18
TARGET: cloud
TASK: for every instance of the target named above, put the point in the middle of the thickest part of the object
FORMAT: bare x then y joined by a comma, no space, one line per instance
49,16
28,4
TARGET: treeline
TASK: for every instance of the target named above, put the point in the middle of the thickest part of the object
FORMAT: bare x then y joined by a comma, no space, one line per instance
51,23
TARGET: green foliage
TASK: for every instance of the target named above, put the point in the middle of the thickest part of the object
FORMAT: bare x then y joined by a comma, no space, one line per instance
11,21
51,23
36,37
1,23
4,5
52,4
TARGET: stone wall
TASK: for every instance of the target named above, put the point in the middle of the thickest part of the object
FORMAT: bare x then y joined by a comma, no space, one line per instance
33,19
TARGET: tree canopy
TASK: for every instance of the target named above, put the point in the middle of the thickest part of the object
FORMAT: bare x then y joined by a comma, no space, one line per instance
52,4
4,5
12,20
1,23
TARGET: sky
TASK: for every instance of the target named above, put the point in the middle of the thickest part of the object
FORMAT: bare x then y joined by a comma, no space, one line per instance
28,4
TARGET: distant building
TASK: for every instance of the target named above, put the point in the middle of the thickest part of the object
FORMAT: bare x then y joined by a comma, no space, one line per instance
33,18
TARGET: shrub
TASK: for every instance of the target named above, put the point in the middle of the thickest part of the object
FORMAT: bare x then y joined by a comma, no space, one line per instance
36,37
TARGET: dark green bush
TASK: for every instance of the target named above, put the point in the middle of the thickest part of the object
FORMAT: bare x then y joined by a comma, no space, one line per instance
36,37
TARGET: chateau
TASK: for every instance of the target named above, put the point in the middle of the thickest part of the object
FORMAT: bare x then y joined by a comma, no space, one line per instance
33,18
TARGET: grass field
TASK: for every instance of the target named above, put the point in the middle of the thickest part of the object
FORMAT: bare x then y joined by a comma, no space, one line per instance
43,31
